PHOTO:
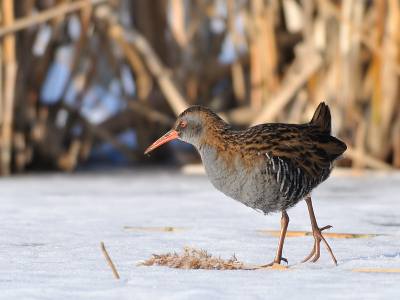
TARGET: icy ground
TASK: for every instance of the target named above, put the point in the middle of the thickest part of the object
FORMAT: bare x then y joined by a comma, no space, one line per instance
52,226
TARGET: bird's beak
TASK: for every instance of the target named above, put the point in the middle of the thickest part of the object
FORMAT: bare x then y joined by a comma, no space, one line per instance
170,135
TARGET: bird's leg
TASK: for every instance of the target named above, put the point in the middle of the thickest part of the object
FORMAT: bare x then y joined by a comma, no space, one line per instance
317,235
284,226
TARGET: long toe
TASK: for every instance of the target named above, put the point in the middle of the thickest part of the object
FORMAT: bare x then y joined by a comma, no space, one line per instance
310,255
330,250
316,251
325,227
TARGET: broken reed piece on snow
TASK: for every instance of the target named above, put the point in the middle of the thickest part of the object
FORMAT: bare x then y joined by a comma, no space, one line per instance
331,235
155,228
194,259
103,249
375,271
274,232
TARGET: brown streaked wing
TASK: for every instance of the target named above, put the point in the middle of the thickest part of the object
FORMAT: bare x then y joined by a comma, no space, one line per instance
303,145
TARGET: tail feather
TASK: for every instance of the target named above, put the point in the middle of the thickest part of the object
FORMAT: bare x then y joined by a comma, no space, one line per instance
322,123
322,118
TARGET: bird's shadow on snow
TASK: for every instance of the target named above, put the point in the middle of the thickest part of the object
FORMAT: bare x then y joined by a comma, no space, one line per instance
390,256
366,258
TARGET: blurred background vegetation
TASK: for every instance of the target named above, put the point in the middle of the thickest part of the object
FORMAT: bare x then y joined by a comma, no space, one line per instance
97,81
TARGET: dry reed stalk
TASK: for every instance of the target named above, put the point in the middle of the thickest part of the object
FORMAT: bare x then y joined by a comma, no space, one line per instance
48,14
1,87
38,131
69,160
269,59
193,27
143,79
386,107
256,93
367,86
368,160
295,16
85,149
345,48
194,259
241,116
103,134
150,114
177,23
361,133
350,61
238,83
364,37
297,111
20,151
158,70
103,249
258,32
306,22
375,131
58,20
396,142
272,50
192,86
255,76
85,17
294,79
375,115
10,74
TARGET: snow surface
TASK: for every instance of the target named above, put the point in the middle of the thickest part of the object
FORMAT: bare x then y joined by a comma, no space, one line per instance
52,226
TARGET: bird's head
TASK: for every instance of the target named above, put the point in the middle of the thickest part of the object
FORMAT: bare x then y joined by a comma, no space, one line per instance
191,126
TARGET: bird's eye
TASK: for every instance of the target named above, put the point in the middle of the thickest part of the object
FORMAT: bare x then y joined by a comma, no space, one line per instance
183,124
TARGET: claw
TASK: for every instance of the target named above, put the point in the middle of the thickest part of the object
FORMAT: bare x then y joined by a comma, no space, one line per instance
275,262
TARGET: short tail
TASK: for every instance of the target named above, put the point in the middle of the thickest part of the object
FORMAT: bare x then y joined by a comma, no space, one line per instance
322,118
322,122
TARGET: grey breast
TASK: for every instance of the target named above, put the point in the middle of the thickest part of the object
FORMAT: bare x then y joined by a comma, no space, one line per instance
254,187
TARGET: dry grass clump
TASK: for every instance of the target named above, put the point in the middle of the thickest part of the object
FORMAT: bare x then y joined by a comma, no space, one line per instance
194,259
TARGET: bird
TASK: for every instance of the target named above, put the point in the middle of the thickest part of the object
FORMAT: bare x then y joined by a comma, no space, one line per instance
268,167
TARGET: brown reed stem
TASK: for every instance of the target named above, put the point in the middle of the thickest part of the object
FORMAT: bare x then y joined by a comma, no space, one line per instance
109,260
47,15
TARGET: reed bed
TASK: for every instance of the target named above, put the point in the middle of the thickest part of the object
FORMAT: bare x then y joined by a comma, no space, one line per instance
137,64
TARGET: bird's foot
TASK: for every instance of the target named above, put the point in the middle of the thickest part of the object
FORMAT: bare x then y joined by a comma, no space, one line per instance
276,262
317,240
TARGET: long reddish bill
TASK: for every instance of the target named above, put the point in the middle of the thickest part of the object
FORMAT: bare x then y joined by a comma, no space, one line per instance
170,135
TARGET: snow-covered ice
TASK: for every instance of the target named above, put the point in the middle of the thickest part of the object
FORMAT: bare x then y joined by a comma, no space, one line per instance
52,226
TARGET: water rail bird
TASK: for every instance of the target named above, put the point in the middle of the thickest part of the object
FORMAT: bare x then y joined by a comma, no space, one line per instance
268,167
